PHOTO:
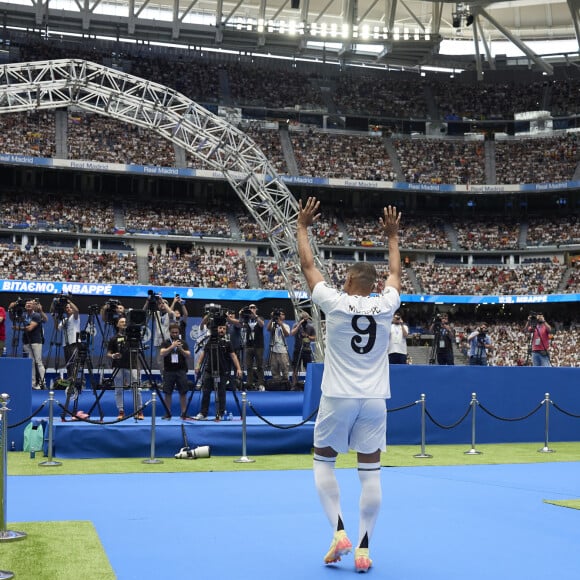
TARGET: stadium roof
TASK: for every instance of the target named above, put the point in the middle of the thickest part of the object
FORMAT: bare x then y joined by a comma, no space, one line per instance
397,33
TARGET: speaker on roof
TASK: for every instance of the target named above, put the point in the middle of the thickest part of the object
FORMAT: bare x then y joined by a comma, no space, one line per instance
295,4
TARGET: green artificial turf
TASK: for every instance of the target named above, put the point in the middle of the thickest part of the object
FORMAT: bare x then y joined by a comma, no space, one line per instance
568,503
56,551
396,456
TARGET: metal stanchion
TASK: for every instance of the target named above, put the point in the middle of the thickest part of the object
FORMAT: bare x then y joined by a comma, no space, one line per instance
152,458
422,454
474,403
5,535
546,447
49,462
244,458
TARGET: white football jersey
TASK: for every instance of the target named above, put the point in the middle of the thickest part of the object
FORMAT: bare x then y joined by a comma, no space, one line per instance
357,339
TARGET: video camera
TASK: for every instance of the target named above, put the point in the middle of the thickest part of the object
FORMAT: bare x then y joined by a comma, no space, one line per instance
436,323
246,314
111,313
215,316
153,300
17,309
59,303
83,339
136,321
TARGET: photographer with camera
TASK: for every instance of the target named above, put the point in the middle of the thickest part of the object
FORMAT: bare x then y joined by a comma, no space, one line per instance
33,338
125,364
479,345
304,335
278,357
70,326
180,313
215,359
398,341
539,331
443,339
111,311
161,315
253,326
175,354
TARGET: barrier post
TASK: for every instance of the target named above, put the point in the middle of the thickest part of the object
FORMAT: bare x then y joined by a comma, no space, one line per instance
546,402
474,403
244,458
422,454
50,462
152,459
5,535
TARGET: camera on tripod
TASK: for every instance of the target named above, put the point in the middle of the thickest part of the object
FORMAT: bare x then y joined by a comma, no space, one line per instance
59,303
436,323
17,309
215,316
276,315
153,299
83,339
111,314
136,321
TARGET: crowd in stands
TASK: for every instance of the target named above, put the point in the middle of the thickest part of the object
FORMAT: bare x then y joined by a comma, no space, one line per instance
176,219
441,161
200,267
553,231
487,233
268,141
53,213
489,280
399,96
459,100
31,133
98,138
67,265
323,154
548,159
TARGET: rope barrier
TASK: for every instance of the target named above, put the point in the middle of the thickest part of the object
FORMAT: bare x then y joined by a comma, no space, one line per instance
484,409
574,415
262,418
453,425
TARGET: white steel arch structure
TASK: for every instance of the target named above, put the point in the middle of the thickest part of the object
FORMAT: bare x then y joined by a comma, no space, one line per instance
43,85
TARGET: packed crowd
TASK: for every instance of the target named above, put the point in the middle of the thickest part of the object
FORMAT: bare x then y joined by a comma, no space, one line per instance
323,154
200,267
51,213
489,280
540,160
459,100
551,231
68,265
98,138
317,153
176,219
441,161
487,234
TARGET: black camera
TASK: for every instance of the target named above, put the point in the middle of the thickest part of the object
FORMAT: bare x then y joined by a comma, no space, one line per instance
246,314
94,309
276,314
111,314
59,304
215,315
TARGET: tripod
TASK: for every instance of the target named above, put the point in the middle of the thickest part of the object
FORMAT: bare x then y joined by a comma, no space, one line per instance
132,356
78,363
18,322
436,338
56,342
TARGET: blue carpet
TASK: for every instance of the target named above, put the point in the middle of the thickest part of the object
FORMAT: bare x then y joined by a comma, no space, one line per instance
447,523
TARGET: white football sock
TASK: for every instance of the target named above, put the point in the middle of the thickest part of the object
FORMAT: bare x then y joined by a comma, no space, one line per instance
370,498
327,487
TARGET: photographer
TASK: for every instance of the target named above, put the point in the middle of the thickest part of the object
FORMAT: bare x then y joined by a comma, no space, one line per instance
443,337
71,328
175,354
32,339
163,315
304,335
218,356
125,366
180,313
479,345
398,341
539,331
111,311
278,355
254,353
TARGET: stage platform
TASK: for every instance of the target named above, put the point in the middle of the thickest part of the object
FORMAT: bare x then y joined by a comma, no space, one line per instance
278,429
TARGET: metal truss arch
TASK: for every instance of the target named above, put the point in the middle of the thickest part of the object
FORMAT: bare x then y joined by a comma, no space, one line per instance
96,88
